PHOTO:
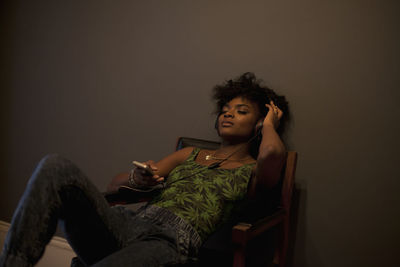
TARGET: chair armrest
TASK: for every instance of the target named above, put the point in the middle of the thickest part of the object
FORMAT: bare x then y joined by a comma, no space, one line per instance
243,232
114,198
123,197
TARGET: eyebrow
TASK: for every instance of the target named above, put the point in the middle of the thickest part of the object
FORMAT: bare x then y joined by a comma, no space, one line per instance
238,105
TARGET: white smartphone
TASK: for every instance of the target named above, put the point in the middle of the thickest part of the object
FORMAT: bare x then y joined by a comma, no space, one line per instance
143,166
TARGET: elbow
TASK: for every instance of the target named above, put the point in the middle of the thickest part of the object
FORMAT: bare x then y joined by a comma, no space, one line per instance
269,165
117,181
271,152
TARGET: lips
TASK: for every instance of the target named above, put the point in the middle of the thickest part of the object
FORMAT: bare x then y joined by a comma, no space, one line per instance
226,123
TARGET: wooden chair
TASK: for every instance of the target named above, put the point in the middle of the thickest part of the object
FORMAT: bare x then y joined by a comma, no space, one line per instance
243,233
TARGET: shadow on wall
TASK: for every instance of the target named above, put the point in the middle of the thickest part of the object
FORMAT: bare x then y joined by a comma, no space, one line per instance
4,147
300,243
7,10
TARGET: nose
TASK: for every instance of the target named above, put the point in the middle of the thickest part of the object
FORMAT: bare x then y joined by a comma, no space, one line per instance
228,114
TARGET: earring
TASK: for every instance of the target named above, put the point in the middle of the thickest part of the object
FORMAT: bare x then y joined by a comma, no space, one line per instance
258,127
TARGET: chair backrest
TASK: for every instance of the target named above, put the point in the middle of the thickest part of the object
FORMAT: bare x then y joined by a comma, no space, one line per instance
205,144
288,179
288,176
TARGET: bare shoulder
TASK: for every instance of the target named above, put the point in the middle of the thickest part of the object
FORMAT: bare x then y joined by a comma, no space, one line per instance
171,161
184,153
178,156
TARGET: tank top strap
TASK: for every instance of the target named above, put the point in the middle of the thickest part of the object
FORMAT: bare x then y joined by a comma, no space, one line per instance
194,154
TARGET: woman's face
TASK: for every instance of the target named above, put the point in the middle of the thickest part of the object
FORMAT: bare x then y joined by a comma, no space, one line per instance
238,119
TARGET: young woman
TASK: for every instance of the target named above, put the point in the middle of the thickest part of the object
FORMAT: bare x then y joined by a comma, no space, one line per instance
201,189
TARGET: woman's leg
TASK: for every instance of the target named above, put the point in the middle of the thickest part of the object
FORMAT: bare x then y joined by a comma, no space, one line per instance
58,190
158,247
164,240
142,254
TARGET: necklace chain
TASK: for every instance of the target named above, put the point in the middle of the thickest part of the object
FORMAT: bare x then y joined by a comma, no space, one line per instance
217,164
212,157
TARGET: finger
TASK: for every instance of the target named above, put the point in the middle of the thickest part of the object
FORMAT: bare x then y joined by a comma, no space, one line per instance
152,165
280,115
273,104
270,107
276,109
161,179
150,162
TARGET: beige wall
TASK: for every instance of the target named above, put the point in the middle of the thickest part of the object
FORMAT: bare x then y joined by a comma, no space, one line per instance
58,252
105,82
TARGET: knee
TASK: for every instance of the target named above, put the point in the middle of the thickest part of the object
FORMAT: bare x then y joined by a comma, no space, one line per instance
50,159
51,167
56,162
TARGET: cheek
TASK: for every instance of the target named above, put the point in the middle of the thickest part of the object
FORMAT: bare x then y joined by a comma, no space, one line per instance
217,120
248,126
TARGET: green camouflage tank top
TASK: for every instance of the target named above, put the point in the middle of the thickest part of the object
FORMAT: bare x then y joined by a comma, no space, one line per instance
205,198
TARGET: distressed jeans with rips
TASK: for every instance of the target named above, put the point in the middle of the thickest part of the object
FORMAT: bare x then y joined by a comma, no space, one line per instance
99,234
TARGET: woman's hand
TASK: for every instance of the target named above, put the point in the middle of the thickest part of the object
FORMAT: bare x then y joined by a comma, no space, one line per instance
160,169
144,178
273,116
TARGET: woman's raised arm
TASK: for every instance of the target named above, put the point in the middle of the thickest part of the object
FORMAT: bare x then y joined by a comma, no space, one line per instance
271,154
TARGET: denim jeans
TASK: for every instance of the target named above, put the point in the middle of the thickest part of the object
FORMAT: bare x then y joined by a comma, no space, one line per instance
99,234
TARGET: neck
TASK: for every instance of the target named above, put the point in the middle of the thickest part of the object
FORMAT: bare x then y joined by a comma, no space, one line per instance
239,150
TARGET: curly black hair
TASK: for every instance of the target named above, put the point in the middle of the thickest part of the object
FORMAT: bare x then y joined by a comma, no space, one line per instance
251,88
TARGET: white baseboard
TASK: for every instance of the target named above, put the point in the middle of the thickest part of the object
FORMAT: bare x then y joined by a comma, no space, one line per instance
58,252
